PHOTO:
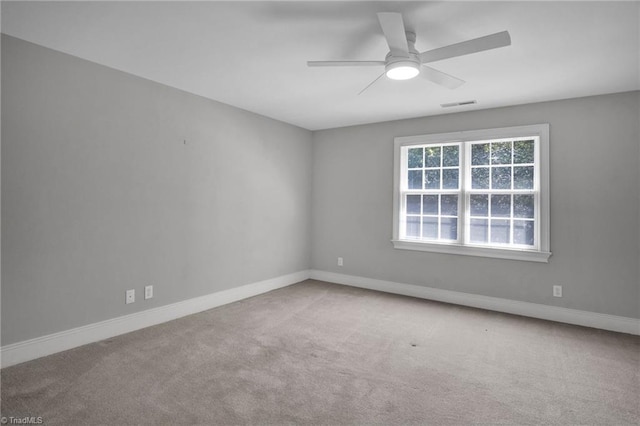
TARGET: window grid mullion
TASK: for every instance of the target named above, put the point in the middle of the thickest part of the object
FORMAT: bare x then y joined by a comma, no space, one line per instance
463,202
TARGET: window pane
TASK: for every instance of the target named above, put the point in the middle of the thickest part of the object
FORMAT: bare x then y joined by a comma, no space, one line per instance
501,153
523,206
480,178
450,179
413,226
480,154
415,157
523,232
450,157
479,205
430,228
523,177
415,179
500,232
430,204
449,205
449,228
523,152
501,178
479,230
432,156
413,204
432,179
501,206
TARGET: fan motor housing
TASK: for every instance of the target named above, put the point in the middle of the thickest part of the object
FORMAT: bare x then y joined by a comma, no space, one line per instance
403,67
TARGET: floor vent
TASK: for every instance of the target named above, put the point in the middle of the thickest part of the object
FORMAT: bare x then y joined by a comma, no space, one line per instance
455,104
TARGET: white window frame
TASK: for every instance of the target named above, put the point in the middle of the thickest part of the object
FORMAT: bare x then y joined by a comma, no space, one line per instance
539,253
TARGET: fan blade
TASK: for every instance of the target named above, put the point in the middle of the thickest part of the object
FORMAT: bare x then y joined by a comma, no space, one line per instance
370,84
480,44
393,29
344,63
440,77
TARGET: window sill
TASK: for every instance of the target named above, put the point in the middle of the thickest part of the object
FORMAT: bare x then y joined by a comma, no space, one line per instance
512,254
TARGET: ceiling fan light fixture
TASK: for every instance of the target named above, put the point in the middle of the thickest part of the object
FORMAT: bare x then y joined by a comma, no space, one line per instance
402,70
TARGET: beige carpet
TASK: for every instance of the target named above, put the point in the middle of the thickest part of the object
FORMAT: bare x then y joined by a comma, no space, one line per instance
317,353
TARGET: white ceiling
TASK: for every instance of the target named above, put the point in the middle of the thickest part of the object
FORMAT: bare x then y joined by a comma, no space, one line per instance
253,54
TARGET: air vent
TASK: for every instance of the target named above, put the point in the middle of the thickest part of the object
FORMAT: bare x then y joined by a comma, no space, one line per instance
455,104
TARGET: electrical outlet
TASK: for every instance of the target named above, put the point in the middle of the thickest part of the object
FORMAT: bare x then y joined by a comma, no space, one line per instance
557,291
340,261
130,297
148,292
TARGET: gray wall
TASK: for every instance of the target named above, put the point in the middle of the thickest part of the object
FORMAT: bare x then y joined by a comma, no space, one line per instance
101,194
595,207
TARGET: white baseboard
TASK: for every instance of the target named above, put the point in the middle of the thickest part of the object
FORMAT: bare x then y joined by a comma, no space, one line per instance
57,342
535,310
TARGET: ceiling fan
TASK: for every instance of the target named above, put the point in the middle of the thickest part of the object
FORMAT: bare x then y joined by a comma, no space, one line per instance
404,62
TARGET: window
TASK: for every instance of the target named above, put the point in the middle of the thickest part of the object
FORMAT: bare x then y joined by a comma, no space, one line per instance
480,193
